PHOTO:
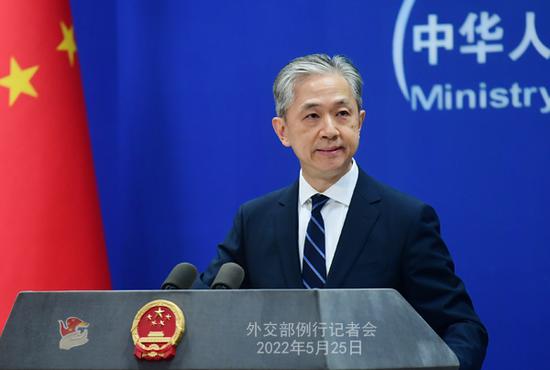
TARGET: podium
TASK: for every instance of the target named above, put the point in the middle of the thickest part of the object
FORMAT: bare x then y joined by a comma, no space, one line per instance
232,329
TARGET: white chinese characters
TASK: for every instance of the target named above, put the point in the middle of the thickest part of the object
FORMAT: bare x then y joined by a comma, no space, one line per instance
310,338
433,36
482,35
530,37
487,33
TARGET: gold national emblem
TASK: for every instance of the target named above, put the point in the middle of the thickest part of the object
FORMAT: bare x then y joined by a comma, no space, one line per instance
157,329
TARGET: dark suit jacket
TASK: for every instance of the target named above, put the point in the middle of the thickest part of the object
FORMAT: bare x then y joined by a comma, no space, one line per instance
389,240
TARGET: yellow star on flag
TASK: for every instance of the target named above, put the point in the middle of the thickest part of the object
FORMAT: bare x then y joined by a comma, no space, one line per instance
19,81
68,44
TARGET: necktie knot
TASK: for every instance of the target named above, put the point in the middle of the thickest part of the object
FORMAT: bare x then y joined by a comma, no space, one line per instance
318,201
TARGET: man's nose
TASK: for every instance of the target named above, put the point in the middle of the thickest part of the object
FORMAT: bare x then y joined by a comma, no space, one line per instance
329,129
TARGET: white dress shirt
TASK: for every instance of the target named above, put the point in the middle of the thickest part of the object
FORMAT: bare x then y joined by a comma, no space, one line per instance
334,211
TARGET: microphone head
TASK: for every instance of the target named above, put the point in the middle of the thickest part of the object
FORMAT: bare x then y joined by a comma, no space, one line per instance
230,276
182,276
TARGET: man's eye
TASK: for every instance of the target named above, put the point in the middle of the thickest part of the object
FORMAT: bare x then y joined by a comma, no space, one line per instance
343,113
312,116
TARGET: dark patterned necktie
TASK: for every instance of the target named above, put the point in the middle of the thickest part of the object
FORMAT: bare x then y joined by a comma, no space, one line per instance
314,270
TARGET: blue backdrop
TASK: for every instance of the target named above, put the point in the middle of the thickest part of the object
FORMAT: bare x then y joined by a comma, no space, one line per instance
457,95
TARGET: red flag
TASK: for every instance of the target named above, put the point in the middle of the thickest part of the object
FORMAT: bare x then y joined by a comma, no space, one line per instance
51,235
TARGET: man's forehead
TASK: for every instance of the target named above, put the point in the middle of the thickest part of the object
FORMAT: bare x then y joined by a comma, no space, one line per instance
322,89
319,102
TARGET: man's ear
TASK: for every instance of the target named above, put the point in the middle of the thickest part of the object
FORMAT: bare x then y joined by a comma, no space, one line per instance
361,118
279,126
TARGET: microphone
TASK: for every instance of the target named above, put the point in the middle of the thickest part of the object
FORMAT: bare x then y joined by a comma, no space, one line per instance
230,276
182,276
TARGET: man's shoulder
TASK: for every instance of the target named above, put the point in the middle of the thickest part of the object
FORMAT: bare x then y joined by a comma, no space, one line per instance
284,196
387,195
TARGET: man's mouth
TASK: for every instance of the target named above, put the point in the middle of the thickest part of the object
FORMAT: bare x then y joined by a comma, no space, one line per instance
330,150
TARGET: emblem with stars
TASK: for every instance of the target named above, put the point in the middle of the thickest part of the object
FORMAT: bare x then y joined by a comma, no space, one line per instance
157,329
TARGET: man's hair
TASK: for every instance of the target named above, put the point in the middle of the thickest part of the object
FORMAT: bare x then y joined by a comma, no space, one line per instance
314,64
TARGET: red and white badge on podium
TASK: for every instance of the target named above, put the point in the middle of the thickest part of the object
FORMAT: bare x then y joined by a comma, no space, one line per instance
157,329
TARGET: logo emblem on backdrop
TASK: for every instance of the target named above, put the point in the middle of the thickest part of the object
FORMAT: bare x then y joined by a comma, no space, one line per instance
479,41
74,333
157,329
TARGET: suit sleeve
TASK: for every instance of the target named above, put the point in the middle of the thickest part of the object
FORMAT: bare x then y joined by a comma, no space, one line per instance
231,250
438,294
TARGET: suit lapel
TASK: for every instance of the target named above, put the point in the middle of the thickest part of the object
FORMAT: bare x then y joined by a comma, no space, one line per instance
360,219
286,227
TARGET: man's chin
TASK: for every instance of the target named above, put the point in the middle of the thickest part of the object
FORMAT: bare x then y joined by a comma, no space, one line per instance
333,171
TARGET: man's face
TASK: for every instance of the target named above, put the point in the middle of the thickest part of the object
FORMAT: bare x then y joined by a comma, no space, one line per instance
322,126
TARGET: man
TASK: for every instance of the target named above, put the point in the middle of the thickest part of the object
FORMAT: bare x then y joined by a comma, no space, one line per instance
336,227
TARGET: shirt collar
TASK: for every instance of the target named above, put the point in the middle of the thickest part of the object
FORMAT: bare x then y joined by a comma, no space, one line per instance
341,191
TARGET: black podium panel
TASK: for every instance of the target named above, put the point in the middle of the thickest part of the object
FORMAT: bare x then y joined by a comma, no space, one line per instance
234,329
